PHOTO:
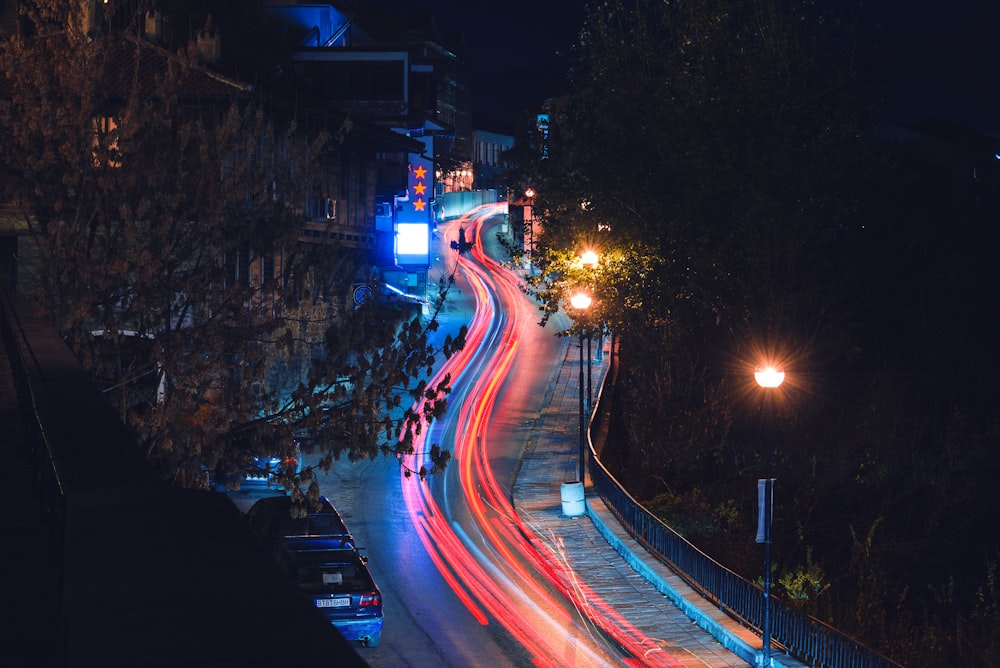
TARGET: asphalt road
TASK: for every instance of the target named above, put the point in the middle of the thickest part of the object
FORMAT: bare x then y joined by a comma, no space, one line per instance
457,589
466,579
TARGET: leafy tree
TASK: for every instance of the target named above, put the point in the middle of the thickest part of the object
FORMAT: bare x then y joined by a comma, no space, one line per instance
163,208
725,149
723,160
705,153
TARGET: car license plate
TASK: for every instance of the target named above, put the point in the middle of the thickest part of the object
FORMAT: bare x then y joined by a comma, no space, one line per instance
333,602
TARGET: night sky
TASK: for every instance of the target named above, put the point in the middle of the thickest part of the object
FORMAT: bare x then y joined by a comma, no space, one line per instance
942,56
940,51
512,47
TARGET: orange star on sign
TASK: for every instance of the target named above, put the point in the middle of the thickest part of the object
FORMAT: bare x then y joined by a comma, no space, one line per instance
420,188
420,172
419,205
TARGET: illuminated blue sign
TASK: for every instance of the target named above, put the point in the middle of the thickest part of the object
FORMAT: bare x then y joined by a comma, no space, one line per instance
413,219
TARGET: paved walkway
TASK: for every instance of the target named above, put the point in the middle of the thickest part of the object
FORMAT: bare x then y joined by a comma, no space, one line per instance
596,546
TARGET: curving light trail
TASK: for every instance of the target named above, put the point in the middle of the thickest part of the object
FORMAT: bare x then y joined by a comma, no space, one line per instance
503,572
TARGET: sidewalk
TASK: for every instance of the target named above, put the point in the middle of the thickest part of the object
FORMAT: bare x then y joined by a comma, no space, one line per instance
597,547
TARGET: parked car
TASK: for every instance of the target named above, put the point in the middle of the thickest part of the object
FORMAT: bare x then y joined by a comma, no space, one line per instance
266,467
256,472
332,574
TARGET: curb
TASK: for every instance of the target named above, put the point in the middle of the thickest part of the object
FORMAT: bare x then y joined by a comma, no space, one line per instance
730,634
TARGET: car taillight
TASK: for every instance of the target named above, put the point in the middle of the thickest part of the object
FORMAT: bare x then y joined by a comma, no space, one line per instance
371,598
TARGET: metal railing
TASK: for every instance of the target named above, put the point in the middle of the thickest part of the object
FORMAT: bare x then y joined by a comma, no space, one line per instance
801,636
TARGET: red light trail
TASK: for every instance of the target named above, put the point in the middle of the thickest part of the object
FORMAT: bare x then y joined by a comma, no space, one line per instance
505,571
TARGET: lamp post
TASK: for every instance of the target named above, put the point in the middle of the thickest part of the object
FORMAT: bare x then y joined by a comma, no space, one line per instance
581,302
589,260
769,378
529,220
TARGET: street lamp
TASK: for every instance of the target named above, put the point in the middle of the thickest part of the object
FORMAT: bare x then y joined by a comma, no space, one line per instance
529,220
589,260
581,302
769,378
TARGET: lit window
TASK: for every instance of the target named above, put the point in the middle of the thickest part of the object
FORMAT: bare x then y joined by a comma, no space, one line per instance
105,149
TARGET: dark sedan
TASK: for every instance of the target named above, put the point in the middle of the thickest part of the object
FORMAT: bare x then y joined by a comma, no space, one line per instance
336,579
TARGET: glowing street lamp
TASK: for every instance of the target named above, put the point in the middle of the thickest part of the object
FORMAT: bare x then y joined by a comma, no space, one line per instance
581,301
589,260
769,378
